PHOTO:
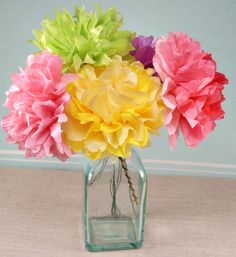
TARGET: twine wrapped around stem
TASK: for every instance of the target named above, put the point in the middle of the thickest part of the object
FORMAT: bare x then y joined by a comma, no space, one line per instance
125,168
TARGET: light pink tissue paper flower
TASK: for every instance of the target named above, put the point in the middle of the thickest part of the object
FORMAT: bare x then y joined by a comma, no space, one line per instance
192,90
36,99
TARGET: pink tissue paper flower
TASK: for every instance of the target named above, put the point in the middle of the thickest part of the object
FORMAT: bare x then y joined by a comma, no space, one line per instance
36,99
192,90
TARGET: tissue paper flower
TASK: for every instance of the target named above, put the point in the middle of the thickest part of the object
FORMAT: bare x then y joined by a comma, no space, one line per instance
36,101
192,90
112,108
144,50
91,38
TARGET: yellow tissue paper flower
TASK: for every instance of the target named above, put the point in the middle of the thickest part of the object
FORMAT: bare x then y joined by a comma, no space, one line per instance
112,108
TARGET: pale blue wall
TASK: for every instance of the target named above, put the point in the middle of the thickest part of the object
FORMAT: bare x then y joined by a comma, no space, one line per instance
213,22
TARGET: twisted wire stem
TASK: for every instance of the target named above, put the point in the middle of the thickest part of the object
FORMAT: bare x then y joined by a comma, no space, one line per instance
114,186
131,187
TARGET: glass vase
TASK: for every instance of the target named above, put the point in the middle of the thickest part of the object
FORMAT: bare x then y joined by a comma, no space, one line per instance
114,203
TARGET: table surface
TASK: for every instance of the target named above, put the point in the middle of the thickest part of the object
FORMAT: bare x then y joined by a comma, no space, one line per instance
41,216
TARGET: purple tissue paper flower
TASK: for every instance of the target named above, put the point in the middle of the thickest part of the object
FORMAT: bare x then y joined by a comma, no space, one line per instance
144,50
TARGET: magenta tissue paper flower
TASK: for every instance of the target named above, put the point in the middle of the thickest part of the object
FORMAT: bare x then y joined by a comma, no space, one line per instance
192,90
144,50
36,101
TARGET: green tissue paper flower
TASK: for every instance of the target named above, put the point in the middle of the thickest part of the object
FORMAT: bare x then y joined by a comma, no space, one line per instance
87,37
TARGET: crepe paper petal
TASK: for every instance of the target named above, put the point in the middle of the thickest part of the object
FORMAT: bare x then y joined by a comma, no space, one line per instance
112,108
144,50
86,38
36,101
173,126
192,88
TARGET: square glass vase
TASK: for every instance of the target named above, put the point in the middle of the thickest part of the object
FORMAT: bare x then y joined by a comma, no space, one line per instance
114,203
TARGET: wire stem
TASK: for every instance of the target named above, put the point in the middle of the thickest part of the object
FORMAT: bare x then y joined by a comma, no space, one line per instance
125,168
